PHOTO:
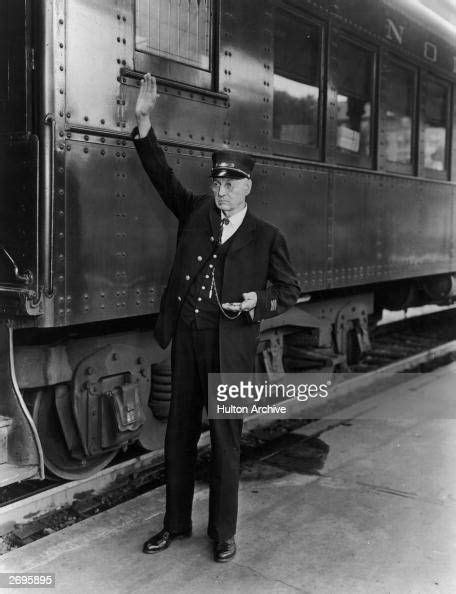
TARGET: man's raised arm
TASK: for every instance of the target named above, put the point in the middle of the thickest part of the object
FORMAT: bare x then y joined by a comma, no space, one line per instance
179,200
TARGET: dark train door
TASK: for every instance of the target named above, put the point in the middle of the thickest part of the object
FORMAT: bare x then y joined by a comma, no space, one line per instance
18,152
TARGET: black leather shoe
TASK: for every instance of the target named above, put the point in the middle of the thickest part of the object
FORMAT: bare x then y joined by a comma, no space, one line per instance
161,541
224,550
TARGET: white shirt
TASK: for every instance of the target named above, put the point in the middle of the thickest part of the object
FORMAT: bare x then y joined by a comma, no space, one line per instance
235,221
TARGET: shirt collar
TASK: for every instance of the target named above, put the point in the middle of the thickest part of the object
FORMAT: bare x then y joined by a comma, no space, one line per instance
237,218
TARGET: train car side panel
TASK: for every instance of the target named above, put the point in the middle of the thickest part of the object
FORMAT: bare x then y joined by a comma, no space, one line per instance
120,236
418,229
354,249
117,233
295,199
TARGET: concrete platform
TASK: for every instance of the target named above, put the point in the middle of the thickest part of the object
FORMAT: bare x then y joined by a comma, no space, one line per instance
378,517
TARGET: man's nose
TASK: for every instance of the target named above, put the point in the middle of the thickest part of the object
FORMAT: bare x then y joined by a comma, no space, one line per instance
221,190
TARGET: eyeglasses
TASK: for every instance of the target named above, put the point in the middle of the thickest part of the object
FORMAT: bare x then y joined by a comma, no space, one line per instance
228,185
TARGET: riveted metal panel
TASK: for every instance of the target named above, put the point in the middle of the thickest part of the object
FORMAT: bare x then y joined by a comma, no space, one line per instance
356,232
98,95
246,72
418,230
99,40
294,199
120,238
180,115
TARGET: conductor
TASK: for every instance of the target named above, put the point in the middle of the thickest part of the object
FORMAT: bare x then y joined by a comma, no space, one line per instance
231,270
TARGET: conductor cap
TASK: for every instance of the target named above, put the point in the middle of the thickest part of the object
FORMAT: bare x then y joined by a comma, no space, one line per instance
231,164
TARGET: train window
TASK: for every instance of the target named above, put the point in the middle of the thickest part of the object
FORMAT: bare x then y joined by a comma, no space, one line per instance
297,49
398,116
353,79
174,39
434,126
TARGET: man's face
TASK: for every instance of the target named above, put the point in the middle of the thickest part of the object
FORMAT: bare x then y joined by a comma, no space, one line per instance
230,193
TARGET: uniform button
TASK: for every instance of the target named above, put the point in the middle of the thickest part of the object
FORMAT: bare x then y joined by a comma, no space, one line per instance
212,238
199,258
197,310
206,276
179,298
187,277
203,287
211,266
214,256
199,298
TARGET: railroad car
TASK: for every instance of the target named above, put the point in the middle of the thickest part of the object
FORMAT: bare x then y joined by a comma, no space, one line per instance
348,107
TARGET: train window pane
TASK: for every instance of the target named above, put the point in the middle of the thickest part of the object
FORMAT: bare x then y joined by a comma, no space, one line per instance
435,122
176,30
296,80
398,106
353,79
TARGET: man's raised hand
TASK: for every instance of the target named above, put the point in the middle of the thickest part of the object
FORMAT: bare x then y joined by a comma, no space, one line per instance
147,98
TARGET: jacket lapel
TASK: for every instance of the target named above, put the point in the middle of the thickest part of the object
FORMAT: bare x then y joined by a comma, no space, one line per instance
245,234
215,219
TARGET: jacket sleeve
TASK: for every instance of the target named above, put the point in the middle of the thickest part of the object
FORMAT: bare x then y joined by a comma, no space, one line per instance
177,198
283,290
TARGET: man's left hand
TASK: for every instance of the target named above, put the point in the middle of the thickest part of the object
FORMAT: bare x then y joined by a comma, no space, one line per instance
249,301
247,304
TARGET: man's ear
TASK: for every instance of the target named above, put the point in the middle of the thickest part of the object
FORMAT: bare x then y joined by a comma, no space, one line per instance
248,186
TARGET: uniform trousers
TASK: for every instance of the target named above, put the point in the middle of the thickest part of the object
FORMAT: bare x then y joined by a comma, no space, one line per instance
195,353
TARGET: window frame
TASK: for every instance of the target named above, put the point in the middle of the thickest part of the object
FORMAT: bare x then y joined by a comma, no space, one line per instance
294,149
384,164
186,75
423,171
334,155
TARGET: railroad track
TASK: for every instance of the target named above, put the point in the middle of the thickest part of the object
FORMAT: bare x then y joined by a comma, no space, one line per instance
37,508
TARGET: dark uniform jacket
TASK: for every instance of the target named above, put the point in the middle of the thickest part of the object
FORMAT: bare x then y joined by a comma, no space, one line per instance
257,260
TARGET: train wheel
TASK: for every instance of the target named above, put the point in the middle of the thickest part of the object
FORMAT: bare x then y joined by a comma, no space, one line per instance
57,458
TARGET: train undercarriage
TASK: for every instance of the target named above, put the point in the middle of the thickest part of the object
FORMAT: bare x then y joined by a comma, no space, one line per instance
79,395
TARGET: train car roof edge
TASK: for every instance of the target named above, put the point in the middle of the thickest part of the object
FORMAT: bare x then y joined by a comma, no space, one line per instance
422,15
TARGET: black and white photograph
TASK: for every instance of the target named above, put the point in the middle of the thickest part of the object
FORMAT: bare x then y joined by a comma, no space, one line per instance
228,296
